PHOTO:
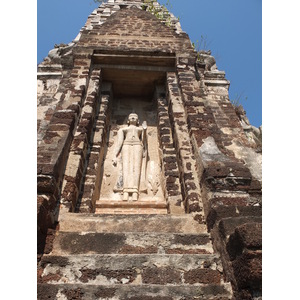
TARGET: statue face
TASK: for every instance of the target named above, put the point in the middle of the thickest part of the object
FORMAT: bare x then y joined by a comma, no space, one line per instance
133,119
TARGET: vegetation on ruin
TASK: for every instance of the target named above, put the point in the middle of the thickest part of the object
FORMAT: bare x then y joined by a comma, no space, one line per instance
161,12
201,45
238,99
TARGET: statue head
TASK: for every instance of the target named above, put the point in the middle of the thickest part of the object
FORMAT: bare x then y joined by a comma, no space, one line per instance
133,118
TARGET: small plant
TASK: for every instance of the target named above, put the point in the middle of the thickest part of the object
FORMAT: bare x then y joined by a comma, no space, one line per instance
202,46
236,101
160,12
156,11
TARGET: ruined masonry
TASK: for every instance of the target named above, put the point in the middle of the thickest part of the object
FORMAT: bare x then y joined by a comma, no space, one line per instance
190,228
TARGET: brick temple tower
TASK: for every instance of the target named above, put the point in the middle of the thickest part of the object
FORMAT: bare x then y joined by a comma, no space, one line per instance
192,227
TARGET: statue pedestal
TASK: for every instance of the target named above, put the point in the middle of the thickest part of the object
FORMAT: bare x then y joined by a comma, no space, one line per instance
131,207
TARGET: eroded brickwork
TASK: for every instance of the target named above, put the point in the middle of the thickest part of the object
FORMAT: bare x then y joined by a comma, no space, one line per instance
91,185
77,160
186,158
169,161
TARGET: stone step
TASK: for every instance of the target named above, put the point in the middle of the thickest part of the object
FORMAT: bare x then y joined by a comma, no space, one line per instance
67,243
130,211
125,292
131,269
78,222
130,204
131,207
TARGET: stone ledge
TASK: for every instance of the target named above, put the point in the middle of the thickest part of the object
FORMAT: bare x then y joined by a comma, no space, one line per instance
135,292
130,204
40,74
78,222
131,243
131,211
231,211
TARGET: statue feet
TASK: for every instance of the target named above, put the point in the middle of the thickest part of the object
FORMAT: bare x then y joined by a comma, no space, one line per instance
125,196
134,196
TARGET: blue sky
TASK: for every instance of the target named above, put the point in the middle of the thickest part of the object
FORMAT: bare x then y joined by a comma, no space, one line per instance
232,30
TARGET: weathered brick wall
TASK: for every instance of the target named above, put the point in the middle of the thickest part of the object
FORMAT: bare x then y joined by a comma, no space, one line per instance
185,153
90,189
229,166
62,107
133,29
77,160
53,147
169,161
